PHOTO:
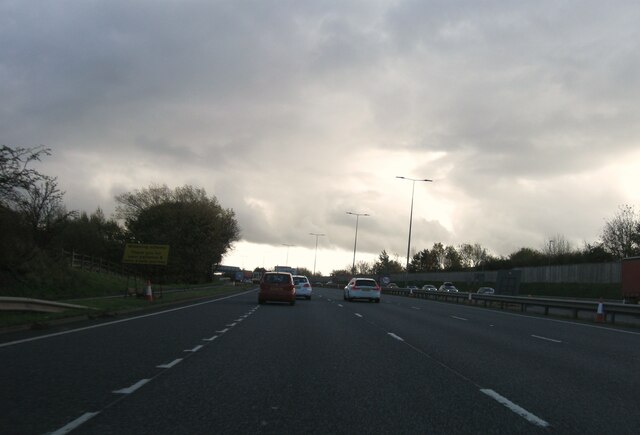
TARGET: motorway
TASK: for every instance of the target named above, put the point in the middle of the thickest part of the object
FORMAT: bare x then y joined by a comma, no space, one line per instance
229,365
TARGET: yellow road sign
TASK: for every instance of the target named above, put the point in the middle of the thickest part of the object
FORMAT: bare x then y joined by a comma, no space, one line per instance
145,254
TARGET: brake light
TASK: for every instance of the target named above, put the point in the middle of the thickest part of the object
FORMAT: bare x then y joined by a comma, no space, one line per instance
377,287
306,285
354,287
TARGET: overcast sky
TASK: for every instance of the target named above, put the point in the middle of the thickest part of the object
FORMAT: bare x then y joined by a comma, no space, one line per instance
524,114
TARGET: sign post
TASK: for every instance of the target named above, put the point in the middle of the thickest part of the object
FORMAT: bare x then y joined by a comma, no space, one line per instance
151,255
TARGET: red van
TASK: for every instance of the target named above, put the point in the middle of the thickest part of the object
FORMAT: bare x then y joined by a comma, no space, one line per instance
277,286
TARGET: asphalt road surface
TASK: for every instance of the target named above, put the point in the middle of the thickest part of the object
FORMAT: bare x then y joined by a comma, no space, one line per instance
322,366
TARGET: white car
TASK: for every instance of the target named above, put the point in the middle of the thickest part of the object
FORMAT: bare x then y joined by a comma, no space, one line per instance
303,286
362,288
430,288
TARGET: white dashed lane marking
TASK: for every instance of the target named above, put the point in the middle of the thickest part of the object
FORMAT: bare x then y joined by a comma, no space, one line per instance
132,388
546,339
515,408
169,365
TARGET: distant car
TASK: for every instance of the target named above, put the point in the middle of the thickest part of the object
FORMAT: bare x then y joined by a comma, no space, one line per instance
392,285
448,287
277,286
303,287
486,291
412,288
430,288
362,288
318,284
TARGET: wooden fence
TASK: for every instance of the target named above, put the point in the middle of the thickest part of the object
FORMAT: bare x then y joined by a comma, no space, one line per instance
96,264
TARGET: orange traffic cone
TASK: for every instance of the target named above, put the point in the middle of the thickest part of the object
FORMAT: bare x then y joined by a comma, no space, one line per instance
600,318
148,293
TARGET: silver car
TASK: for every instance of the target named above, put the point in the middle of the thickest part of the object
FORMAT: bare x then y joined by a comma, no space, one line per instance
430,288
448,287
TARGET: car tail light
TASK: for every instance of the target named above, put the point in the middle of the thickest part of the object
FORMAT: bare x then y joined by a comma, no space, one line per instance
377,287
354,287
306,285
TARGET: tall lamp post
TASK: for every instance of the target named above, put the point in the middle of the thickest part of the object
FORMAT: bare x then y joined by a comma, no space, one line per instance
316,254
413,187
288,246
355,243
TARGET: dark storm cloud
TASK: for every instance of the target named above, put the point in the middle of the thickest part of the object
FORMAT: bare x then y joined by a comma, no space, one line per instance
509,107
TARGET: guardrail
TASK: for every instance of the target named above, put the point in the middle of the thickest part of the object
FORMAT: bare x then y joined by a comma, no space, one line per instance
575,306
8,303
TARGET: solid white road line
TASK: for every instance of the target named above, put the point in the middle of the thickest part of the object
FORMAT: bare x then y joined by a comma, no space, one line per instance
169,365
395,336
101,325
75,423
195,349
359,315
459,318
515,408
132,388
545,338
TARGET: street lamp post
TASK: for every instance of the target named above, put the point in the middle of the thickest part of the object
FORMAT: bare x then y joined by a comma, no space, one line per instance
316,254
355,243
288,246
413,186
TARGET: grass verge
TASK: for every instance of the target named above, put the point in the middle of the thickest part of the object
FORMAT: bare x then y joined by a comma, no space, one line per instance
113,306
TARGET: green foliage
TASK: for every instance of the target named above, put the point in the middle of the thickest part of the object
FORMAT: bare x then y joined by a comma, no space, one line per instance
50,278
197,229
386,266
621,235
94,235
342,272
304,271
15,174
424,261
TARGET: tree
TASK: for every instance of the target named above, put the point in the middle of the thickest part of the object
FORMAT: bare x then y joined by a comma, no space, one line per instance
15,175
423,261
304,271
342,272
386,266
472,256
595,253
452,259
94,235
438,252
526,257
621,235
197,229
41,206
363,268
